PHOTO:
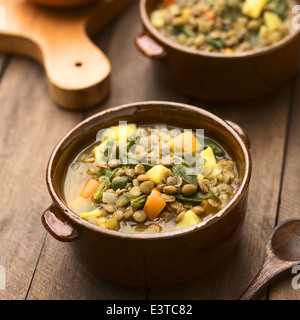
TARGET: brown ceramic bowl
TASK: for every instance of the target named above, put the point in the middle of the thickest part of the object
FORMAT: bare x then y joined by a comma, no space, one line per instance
149,259
216,76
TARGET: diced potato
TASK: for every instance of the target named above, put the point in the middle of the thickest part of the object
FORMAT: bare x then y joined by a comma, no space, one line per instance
174,9
98,151
187,142
189,219
209,157
272,21
102,222
122,132
253,8
158,173
157,18
93,213
214,173
200,177
81,205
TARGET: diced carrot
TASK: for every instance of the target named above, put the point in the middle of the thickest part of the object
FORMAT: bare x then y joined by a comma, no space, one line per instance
186,142
89,188
154,204
228,51
209,209
167,3
210,15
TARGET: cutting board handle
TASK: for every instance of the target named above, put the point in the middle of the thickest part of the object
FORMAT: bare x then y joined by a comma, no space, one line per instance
77,70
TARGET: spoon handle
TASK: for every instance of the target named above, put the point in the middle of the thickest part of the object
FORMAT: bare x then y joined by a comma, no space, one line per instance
270,270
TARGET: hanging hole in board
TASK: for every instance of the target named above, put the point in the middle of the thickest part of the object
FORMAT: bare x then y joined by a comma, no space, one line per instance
78,64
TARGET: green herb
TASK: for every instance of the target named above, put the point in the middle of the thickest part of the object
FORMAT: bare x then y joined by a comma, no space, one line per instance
103,186
148,165
227,27
108,149
107,173
107,176
138,202
128,160
189,32
231,13
253,38
120,182
198,198
217,43
218,151
281,7
176,30
186,30
130,144
191,160
181,171
125,158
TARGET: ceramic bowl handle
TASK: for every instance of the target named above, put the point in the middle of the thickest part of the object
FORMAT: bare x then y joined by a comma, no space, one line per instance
57,226
240,131
148,46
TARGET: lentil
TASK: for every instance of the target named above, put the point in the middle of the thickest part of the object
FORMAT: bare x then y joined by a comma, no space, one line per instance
189,189
169,189
146,187
139,216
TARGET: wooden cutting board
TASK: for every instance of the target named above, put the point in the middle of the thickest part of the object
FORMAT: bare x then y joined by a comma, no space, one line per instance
77,70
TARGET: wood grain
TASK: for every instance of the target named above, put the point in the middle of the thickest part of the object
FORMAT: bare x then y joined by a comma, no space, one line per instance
3,60
29,128
290,201
133,78
60,275
291,180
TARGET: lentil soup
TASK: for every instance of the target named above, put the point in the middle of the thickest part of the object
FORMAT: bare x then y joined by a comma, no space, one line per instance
225,26
150,179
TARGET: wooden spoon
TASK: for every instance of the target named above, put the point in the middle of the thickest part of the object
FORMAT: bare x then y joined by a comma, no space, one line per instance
282,253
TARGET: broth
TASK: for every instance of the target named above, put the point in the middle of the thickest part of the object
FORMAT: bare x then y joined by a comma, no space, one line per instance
150,179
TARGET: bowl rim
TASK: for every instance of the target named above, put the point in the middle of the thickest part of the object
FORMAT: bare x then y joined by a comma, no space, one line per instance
75,220
247,54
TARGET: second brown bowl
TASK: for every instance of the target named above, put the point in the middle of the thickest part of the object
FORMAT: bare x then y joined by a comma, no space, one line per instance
216,76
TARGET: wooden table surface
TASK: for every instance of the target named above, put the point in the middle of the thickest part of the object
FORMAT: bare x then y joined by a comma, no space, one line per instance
39,267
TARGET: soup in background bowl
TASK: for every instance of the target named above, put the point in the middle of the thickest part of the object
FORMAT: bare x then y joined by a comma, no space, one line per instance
225,26
208,74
